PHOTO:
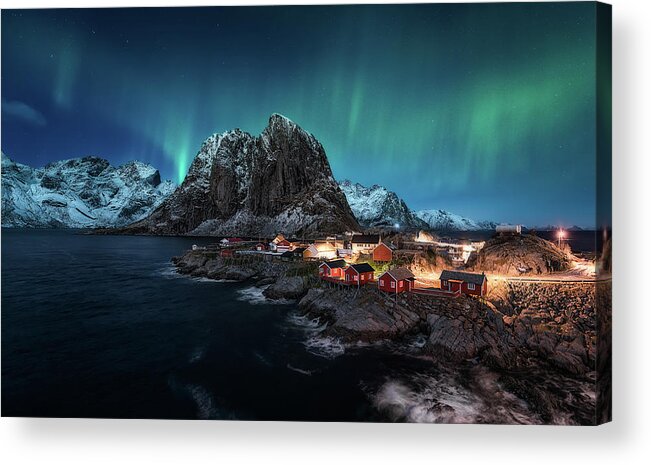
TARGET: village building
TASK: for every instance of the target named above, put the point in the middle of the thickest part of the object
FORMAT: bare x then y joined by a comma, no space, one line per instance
360,273
364,243
466,283
396,281
281,247
344,253
278,238
261,246
382,253
332,269
226,253
509,229
298,252
323,250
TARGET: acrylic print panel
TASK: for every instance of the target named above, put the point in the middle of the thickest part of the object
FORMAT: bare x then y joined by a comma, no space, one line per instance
380,213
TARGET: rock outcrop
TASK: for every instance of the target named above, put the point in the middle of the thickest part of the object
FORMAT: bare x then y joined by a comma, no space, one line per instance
245,185
520,255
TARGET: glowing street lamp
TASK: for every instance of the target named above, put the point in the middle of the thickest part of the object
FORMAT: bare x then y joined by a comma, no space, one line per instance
561,236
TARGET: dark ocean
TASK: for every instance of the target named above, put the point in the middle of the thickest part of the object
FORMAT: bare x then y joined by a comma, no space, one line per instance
102,326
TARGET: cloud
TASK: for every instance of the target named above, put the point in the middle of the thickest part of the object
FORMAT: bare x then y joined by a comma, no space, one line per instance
20,111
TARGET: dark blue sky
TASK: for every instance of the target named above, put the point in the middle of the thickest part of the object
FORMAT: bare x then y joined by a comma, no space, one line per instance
486,110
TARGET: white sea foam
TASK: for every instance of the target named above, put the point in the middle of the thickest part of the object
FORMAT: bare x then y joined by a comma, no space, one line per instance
325,346
299,370
441,399
196,355
170,272
311,325
254,295
206,408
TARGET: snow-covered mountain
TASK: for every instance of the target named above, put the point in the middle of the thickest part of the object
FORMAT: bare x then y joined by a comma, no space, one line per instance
443,220
239,184
79,193
376,206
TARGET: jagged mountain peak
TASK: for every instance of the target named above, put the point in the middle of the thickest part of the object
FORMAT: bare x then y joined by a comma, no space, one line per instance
376,206
241,184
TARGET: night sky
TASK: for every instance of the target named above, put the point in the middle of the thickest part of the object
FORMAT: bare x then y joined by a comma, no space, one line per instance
486,110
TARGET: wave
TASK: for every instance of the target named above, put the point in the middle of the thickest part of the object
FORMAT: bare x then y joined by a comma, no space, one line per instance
442,399
196,355
325,346
206,408
170,272
254,296
299,370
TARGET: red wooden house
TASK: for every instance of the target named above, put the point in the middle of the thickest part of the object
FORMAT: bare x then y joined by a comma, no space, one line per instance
396,281
360,274
467,283
382,253
226,253
260,246
332,269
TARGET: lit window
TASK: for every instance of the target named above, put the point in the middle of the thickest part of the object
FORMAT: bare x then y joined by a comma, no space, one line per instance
471,287
400,285
393,284
381,282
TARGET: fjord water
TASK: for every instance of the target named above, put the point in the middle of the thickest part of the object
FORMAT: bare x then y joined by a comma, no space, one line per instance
101,326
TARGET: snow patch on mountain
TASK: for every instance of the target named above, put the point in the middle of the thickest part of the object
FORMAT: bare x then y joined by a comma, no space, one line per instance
79,193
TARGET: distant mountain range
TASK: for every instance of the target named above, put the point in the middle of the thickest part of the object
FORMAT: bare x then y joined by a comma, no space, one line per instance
377,207
79,193
237,184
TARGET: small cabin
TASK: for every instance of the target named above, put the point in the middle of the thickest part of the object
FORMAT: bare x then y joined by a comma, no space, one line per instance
278,239
508,229
261,246
283,246
466,283
344,253
382,253
360,273
396,281
226,253
320,250
332,268
298,252
364,243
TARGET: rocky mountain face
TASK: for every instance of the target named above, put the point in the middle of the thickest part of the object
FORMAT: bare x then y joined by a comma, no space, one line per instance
239,184
79,193
376,206
441,220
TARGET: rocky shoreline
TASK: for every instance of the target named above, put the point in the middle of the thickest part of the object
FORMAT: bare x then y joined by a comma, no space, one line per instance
519,325
548,329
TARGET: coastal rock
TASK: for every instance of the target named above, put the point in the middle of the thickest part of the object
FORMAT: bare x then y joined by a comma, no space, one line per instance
520,255
239,184
292,287
358,315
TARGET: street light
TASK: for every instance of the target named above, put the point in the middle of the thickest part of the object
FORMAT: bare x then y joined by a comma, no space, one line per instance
561,236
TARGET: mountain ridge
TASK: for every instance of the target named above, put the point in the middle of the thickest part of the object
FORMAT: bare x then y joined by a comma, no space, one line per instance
85,192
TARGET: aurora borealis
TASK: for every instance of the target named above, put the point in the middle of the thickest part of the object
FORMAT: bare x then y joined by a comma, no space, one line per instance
486,110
